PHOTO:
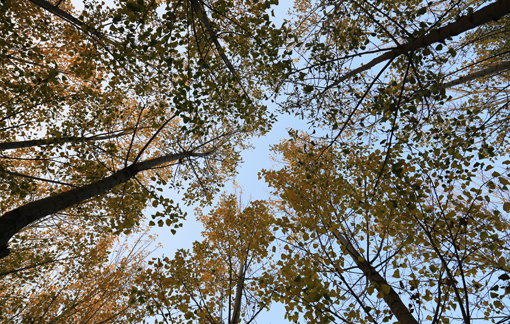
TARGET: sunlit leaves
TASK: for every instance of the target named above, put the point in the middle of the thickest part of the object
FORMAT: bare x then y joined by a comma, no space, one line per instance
397,172
216,280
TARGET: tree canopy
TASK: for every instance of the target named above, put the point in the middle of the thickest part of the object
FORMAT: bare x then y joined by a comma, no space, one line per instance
392,206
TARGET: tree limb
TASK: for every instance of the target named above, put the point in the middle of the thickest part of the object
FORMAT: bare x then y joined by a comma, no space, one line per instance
16,174
485,72
64,15
392,299
56,140
489,13
15,220
203,17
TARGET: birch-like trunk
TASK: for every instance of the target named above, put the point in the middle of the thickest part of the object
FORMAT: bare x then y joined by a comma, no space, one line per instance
239,294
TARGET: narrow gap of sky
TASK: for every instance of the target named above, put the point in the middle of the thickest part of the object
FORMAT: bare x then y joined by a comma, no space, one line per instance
254,160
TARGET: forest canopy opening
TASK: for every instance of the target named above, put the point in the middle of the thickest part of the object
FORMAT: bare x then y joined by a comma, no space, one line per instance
391,206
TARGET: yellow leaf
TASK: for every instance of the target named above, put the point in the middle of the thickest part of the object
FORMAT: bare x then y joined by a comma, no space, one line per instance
502,262
414,283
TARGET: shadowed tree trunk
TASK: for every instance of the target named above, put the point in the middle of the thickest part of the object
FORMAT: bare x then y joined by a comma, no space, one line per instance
15,220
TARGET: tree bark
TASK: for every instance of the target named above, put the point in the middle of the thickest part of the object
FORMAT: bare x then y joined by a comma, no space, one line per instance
203,17
56,140
489,13
64,15
397,306
485,72
239,294
15,220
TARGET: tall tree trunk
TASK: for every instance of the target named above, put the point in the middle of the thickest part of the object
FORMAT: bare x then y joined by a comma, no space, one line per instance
15,220
239,294
397,306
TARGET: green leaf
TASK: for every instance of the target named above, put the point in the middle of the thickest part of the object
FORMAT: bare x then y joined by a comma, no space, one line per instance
308,88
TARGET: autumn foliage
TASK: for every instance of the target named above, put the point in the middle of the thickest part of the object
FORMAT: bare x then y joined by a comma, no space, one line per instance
392,206
217,280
